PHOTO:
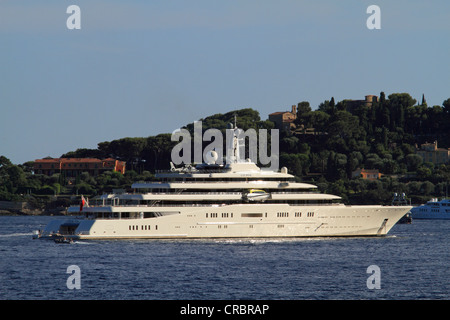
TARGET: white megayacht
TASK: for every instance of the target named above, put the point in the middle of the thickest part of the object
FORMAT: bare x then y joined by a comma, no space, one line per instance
234,200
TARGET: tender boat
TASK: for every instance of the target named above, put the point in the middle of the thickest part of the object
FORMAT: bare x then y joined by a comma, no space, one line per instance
257,195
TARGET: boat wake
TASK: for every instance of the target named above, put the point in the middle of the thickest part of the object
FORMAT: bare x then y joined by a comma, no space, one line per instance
16,235
82,242
269,240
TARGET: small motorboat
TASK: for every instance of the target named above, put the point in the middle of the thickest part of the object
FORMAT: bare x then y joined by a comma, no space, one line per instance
62,239
36,234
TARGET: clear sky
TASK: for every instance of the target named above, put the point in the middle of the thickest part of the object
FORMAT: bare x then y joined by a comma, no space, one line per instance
139,68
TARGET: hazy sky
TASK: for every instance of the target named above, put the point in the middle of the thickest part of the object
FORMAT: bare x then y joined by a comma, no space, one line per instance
138,68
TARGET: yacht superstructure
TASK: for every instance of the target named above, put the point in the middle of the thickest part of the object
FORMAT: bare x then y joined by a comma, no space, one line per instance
237,200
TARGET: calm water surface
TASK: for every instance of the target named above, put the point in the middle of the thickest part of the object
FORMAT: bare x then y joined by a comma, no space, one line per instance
413,260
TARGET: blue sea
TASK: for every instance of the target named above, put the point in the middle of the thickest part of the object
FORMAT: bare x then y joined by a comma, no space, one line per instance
412,262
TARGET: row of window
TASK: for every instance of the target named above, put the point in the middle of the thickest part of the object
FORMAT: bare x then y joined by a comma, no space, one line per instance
251,226
143,227
257,215
230,215
296,214
426,210
224,215
280,226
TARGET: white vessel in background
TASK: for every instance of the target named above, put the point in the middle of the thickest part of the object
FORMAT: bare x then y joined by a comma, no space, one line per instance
433,209
236,200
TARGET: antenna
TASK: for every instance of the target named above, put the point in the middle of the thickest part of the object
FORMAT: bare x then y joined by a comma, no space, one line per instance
234,147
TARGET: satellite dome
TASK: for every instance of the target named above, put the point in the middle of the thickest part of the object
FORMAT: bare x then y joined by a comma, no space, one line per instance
211,157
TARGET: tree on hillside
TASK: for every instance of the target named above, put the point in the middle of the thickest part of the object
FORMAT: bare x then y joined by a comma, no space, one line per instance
126,149
85,153
345,125
399,103
446,106
157,153
4,161
246,118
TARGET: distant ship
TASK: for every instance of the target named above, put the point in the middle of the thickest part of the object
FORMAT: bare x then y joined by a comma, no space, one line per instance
233,200
433,209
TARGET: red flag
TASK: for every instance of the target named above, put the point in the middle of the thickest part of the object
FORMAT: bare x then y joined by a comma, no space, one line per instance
83,201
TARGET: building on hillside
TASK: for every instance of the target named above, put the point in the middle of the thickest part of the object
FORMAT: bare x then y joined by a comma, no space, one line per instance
367,102
72,167
431,153
284,120
367,174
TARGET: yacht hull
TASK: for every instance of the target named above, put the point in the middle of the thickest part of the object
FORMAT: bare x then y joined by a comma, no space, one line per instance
240,221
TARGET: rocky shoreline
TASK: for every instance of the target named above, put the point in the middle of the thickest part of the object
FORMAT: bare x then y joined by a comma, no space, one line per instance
33,212
23,208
